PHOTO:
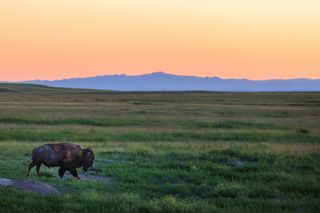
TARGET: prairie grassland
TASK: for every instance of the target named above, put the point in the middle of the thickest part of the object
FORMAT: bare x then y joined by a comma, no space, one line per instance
167,152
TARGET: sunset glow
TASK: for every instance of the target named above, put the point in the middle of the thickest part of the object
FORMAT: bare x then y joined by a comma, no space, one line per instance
263,39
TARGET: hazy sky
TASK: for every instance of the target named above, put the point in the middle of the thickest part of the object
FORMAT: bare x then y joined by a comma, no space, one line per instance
255,39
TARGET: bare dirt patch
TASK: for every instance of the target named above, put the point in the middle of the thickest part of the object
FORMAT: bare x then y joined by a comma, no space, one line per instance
239,162
89,177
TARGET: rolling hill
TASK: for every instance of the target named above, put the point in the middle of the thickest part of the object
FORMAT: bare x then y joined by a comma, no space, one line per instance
33,88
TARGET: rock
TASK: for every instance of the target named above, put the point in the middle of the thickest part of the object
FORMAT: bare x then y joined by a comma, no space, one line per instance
6,182
30,186
35,186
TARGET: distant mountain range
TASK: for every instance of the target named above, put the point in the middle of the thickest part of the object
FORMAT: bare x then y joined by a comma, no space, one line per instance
160,81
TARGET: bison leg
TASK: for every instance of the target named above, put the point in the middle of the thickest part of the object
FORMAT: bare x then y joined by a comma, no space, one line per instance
38,169
61,172
31,165
74,173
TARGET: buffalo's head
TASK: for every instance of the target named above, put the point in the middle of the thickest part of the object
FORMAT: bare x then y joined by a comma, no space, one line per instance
88,158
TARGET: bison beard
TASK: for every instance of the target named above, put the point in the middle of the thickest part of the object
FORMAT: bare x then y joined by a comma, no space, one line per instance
65,155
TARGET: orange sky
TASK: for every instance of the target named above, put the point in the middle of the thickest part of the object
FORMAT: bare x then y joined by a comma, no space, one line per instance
255,39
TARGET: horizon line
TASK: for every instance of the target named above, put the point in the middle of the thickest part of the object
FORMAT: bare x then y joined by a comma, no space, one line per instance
155,72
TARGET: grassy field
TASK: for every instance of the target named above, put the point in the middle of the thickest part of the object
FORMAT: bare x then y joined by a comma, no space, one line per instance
166,152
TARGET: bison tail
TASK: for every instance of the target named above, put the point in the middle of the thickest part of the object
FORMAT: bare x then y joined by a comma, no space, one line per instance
33,151
35,154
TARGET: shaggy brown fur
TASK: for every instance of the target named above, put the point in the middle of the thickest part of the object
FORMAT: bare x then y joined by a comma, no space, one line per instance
67,156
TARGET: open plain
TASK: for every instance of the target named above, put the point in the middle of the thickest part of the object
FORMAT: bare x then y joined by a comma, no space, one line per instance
165,151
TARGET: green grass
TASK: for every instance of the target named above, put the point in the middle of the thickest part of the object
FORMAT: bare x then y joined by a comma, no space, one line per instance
79,121
93,135
113,122
168,152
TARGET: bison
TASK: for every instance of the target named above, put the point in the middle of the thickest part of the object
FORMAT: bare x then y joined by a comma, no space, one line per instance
64,155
